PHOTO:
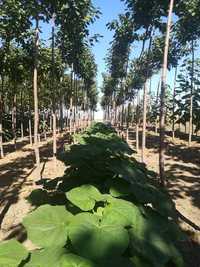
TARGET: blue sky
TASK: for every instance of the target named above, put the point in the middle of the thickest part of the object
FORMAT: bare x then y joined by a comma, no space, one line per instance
110,10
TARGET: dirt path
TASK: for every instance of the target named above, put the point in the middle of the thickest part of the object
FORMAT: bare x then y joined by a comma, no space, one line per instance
17,179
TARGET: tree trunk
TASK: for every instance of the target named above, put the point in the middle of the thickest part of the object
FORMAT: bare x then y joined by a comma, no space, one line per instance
145,104
44,126
76,104
157,106
162,97
71,104
30,124
1,118
53,91
22,117
70,115
30,131
14,120
122,117
173,112
61,116
35,93
61,108
191,98
137,123
50,123
144,121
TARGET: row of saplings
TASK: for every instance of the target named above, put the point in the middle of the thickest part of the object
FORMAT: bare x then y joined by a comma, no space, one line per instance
105,211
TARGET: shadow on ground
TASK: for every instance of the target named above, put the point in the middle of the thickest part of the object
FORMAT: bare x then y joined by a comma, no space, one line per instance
15,173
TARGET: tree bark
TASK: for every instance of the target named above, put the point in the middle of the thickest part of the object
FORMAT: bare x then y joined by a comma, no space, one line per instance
144,122
71,104
157,107
70,115
1,118
191,98
61,108
29,123
35,93
30,131
173,112
14,120
53,91
162,97
50,122
137,123
145,103
22,117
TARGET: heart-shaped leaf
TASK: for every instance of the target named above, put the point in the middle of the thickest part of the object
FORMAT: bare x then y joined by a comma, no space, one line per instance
47,225
84,197
120,212
92,240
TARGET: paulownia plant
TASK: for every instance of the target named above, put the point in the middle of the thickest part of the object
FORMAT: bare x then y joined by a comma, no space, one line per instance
108,213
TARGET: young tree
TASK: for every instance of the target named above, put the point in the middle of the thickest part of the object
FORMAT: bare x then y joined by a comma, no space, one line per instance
162,96
189,71
173,111
35,93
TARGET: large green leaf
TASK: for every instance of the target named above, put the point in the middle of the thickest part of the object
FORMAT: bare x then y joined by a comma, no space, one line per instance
47,225
150,239
128,170
84,197
92,240
49,257
120,212
119,187
146,193
12,253
57,257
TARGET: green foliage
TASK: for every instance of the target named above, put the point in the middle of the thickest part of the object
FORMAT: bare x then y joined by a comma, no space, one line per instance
97,240
84,197
152,234
51,257
72,53
12,253
188,79
47,226
120,219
